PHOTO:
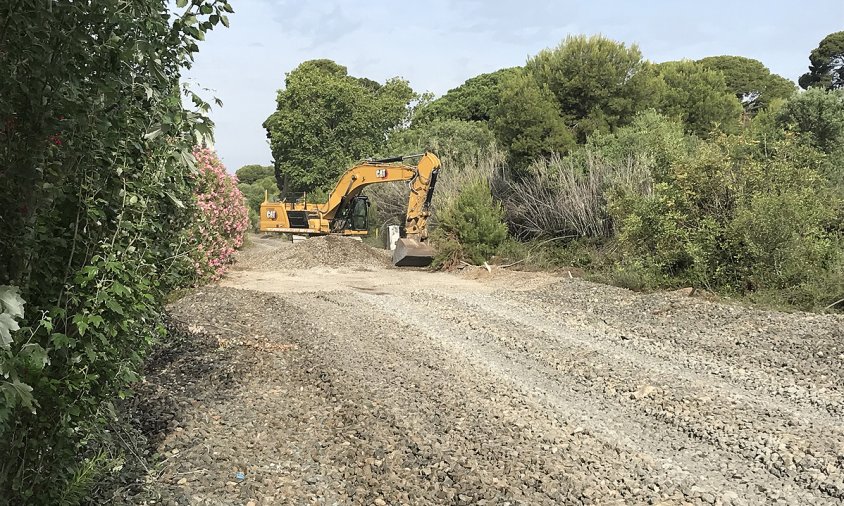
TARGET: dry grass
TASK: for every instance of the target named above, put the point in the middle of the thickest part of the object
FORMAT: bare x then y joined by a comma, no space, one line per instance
568,196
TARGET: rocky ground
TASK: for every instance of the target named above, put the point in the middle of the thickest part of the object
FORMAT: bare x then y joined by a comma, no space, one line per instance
330,378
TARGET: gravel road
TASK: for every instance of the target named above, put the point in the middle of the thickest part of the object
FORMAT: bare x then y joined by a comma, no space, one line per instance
356,383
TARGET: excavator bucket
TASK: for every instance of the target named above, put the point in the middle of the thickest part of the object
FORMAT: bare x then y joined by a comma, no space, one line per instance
412,253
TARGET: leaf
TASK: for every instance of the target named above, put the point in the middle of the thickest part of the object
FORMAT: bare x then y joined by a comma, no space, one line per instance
36,354
181,3
225,20
22,391
113,305
175,200
81,323
152,134
7,326
12,301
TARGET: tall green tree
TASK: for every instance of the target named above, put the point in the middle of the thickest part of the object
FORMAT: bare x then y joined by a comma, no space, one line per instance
818,114
599,84
474,100
326,119
698,97
827,64
528,122
750,80
248,174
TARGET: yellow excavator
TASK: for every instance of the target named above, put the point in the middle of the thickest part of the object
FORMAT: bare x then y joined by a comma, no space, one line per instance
346,210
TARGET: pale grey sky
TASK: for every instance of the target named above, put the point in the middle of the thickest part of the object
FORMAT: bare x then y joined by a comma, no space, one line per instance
441,44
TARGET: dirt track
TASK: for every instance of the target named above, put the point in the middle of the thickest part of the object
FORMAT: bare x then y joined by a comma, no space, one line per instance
363,384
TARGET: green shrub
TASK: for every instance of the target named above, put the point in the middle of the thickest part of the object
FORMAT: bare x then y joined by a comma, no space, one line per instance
470,227
95,145
736,218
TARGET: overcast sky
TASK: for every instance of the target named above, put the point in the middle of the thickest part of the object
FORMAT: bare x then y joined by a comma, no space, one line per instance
440,45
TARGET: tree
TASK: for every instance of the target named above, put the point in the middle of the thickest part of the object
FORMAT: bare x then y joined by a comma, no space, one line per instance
249,174
470,227
456,142
599,84
750,80
474,100
528,123
698,97
325,120
827,64
818,114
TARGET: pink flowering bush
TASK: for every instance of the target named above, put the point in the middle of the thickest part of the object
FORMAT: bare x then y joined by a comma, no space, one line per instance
222,217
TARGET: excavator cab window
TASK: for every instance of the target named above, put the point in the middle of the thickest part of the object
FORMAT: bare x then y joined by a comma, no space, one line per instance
360,212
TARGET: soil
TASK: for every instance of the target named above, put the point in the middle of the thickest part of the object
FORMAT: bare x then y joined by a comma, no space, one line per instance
317,374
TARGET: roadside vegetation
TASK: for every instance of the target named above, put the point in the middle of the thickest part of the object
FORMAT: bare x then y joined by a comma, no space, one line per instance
714,174
110,203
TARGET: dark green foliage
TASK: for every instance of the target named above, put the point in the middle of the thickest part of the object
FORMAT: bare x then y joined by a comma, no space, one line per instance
750,80
698,97
456,142
735,218
256,182
528,122
650,137
249,174
97,180
599,84
326,120
819,115
827,64
474,100
470,227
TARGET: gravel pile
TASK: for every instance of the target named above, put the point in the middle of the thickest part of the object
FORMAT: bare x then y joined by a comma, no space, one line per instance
330,251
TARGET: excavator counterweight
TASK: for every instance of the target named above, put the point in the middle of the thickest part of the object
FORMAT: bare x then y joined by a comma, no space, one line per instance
345,212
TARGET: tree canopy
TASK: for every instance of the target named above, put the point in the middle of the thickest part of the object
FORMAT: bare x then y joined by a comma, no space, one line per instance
474,100
817,114
750,80
826,67
248,174
528,122
457,143
599,84
326,119
698,97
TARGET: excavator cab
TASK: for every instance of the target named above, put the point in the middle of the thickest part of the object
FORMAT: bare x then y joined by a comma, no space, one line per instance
353,215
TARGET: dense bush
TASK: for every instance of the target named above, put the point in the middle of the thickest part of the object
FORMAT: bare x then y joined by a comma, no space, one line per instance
735,218
697,96
220,219
97,192
470,227
817,114
567,196
457,143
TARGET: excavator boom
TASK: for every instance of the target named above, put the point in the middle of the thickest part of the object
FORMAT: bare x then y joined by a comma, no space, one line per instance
345,211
